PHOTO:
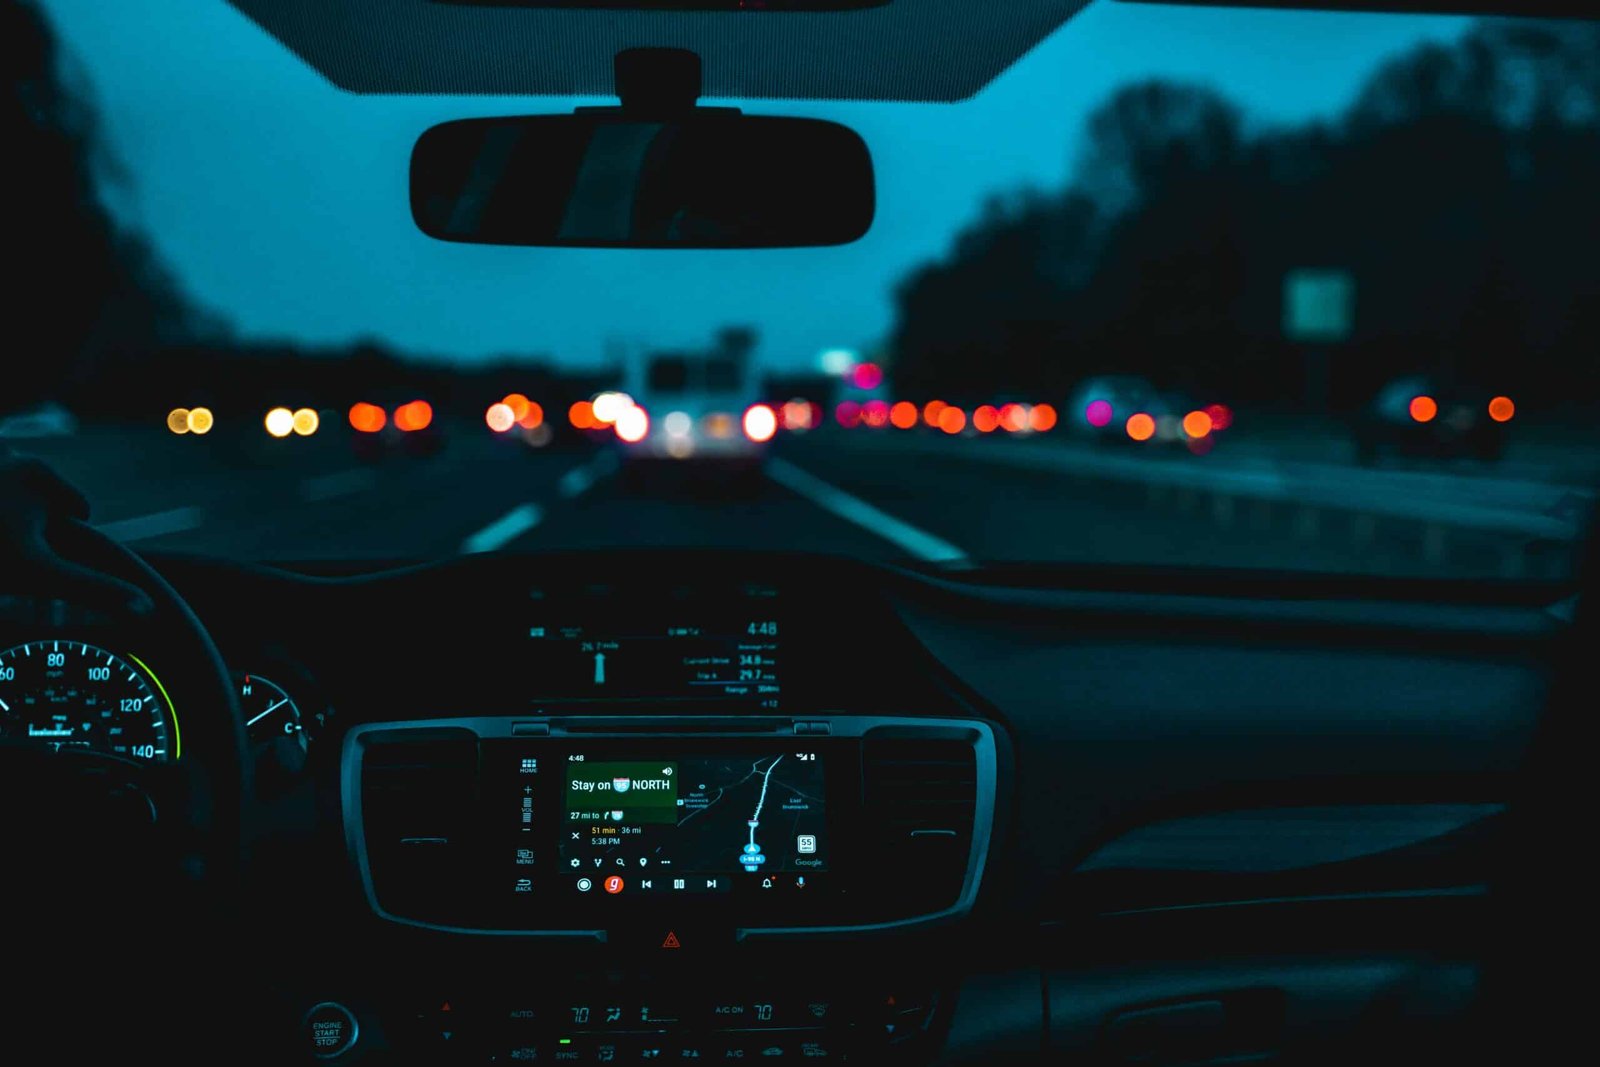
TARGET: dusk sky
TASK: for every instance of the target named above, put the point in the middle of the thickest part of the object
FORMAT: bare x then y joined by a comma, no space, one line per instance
280,202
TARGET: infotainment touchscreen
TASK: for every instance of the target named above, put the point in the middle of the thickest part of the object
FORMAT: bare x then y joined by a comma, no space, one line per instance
684,822
635,826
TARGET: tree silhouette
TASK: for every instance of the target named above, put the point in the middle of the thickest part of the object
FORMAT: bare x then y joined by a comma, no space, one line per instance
91,291
1457,189
1152,137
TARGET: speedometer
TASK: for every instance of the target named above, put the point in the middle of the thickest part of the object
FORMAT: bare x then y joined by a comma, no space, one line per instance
67,694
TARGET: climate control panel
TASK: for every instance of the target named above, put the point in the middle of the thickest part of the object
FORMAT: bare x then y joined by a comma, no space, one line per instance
620,1024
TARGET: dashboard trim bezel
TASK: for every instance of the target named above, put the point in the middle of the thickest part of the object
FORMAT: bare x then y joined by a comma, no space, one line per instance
848,727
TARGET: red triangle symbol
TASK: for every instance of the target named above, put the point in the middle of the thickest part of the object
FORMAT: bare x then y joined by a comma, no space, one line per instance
671,941
445,1006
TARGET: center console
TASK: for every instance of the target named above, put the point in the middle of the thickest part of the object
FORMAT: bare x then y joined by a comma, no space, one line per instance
694,887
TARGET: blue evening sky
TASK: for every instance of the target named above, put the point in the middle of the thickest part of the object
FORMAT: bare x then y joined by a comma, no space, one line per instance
280,201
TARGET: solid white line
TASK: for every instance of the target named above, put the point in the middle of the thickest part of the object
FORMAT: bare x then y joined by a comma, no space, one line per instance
513,524
174,520
924,546
337,484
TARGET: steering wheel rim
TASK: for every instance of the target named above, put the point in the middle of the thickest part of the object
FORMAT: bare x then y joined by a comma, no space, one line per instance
111,860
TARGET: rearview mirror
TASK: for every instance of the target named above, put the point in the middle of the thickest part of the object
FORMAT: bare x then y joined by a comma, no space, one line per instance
707,178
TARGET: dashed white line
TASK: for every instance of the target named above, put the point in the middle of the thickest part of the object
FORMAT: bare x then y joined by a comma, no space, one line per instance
508,527
919,543
581,479
339,483
156,524
524,517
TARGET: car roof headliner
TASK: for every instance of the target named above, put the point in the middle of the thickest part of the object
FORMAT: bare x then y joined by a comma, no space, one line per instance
935,50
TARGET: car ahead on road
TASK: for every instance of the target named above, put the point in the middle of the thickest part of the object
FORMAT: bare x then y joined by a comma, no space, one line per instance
1416,417
941,751
403,428
1126,410
697,423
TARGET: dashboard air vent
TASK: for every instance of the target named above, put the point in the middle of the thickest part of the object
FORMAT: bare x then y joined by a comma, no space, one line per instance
920,799
417,801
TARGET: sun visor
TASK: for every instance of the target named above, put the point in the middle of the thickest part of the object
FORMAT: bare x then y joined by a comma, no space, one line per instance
933,50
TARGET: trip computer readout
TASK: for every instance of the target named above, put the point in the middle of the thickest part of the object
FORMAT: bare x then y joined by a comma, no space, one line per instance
695,824
698,657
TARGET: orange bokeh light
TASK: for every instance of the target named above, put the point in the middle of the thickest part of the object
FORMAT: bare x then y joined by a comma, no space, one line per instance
417,415
952,419
903,415
368,418
1501,409
1424,408
581,415
985,419
1141,427
1197,424
518,405
533,418
1013,417
1042,418
932,410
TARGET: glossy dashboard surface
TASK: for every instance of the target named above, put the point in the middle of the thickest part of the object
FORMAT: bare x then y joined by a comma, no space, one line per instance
1125,703
1175,744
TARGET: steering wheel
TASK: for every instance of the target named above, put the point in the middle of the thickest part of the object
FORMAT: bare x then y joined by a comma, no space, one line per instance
105,854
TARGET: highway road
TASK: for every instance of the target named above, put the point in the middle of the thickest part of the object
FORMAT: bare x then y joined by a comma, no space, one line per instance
875,494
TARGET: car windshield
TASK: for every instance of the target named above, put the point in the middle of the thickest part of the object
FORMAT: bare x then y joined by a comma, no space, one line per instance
1180,286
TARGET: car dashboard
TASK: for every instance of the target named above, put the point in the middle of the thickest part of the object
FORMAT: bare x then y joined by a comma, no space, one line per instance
678,806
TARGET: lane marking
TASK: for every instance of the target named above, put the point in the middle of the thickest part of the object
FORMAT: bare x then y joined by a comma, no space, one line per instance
156,524
581,479
919,543
513,524
337,484
524,517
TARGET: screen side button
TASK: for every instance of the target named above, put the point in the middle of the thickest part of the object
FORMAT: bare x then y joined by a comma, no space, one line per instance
813,729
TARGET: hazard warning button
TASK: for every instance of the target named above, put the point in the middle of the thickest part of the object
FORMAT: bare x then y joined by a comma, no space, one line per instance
670,941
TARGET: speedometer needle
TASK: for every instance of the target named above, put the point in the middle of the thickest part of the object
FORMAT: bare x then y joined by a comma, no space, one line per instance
269,711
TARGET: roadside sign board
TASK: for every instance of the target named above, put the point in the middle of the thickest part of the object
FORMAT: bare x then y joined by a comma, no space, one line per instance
1319,305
